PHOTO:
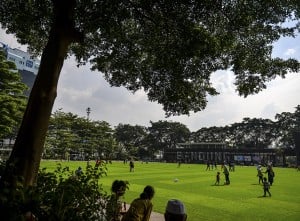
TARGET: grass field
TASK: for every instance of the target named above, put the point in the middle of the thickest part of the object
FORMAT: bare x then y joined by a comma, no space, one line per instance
241,200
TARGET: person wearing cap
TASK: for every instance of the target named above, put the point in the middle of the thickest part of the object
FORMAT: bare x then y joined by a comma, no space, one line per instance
175,211
140,209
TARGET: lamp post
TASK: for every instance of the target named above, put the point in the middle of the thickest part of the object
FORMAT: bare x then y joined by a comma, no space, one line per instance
88,111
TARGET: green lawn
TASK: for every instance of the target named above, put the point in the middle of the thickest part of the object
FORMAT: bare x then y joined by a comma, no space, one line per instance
242,200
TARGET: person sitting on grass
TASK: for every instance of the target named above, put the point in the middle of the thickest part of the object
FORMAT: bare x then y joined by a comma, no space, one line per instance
140,209
114,206
175,211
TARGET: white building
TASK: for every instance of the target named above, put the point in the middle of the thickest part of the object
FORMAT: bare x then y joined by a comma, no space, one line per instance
23,60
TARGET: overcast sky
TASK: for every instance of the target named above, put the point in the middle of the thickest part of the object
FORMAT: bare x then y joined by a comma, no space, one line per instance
80,88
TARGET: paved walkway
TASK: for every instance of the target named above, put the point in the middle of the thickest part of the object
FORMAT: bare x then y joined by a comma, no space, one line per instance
157,217
154,215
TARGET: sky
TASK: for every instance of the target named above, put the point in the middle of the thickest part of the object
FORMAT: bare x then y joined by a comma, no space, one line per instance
80,88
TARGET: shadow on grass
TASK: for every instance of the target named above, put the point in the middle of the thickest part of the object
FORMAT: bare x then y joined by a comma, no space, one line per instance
219,185
263,197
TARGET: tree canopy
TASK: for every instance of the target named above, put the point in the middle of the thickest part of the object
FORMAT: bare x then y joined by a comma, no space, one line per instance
167,48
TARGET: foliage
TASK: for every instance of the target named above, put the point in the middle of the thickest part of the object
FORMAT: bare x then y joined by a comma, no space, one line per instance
167,48
58,195
60,136
103,142
254,132
69,136
287,124
210,135
12,98
164,135
131,138
142,142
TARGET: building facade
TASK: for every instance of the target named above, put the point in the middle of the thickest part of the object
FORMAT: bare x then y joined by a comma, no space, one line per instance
27,64
222,153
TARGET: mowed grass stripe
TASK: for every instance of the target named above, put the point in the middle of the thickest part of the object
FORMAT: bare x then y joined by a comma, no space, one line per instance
241,200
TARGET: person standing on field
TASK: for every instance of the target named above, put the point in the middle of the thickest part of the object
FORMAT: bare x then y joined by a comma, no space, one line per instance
271,174
207,165
131,166
266,187
217,178
260,175
226,173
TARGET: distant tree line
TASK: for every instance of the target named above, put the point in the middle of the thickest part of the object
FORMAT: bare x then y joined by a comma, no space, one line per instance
73,137
255,132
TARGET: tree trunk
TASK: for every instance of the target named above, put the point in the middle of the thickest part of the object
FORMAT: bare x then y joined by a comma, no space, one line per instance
26,155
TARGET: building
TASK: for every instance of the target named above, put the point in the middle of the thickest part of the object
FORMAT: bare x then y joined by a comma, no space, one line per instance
221,152
27,64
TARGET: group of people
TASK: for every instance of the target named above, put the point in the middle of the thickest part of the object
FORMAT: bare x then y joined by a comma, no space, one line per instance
210,165
266,182
140,208
226,174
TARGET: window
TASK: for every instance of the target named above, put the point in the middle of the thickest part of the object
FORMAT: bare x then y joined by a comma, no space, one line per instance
29,63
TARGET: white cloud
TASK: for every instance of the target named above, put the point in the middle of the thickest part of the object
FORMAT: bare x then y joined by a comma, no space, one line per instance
10,40
290,51
223,81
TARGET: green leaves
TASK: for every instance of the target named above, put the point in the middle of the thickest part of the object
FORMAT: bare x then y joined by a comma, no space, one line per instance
12,98
58,195
168,49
